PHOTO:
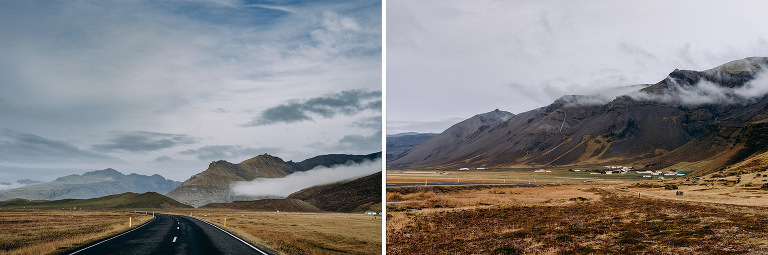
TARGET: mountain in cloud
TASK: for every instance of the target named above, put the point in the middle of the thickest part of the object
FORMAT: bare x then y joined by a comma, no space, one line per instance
214,185
358,195
713,118
90,185
398,144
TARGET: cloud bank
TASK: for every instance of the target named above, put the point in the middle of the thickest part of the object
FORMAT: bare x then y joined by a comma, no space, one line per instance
29,148
141,141
5,186
347,102
283,187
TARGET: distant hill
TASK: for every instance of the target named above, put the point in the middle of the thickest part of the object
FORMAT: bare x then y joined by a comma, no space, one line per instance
90,185
446,144
213,184
124,200
709,120
398,144
357,195
268,205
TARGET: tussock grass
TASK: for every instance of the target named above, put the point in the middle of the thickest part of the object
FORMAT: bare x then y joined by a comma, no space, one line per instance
59,231
302,233
618,222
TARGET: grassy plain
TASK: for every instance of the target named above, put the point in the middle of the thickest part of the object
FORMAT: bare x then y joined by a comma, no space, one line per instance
59,231
299,233
559,175
715,215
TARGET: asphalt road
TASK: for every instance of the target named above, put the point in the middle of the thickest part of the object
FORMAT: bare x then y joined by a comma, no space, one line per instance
172,234
407,184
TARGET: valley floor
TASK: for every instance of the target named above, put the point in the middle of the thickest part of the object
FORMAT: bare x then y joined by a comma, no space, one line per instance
578,219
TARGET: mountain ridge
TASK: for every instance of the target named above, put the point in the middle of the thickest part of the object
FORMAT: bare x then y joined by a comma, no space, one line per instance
116,201
91,184
660,124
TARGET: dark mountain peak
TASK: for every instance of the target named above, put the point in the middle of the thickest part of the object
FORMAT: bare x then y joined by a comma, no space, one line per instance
264,159
329,160
106,172
478,122
219,163
733,74
495,115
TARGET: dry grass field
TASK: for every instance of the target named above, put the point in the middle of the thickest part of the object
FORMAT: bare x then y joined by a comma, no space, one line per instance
59,231
738,189
558,175
300,233
567,219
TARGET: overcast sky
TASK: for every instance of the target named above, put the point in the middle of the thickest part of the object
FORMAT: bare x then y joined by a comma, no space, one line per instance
168,86
449,60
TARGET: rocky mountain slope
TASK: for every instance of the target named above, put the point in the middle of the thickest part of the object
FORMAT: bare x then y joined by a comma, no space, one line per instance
90,185
398,144
359,195
213,184
715,118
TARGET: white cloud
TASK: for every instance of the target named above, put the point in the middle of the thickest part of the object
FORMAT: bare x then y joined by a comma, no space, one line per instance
297,181
77,72
454,59
5,186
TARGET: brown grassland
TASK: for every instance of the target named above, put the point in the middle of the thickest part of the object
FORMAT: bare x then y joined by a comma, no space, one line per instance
715,215
59,231
299,233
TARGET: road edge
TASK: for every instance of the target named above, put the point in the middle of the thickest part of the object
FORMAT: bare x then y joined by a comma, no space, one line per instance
235,236
110,238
